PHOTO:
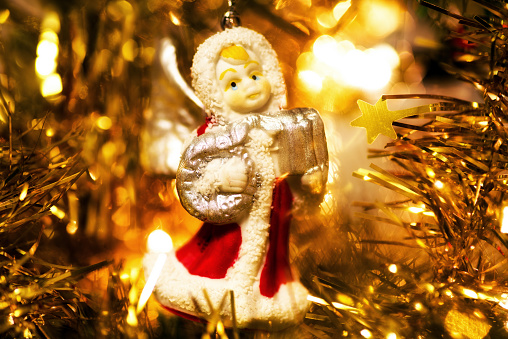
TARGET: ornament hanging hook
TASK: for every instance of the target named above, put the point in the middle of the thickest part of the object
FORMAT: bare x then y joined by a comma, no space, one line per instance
231,18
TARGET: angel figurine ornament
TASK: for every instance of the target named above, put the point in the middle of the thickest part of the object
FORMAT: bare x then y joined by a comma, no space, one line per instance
244,173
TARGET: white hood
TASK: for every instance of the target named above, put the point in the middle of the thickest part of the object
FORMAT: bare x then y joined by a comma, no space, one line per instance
207,56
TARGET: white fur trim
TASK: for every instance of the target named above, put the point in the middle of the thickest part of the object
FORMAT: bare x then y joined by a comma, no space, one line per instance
208,53
177,288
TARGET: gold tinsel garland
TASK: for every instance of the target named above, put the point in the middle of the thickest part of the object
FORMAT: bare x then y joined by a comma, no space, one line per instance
450,168
451,281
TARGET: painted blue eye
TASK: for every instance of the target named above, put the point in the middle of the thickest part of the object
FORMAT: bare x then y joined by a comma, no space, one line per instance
255,77
234,86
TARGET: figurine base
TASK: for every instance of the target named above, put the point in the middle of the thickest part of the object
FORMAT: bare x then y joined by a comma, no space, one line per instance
182,292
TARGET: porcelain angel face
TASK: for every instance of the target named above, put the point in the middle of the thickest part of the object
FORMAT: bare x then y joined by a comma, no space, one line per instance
237,73
240,77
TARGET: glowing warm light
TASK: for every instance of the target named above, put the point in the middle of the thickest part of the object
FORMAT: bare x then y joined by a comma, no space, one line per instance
51,22
382,18
47,54
326,49
475,104
130,50
418,306
368,70
311,79
159,242
340,9
470,293
57,212
504,225
220,328
392,268
345,299
391,336
343,307
52,85
48,36
132,319
44,66
92,174
326,18
47,49
4,15
479,314
72,227
118,10
388,54
366,333
109,149
27,333
316,300
430,172
133,293
151,281
104,123
174,19
24,192
366,178
415,209
439,184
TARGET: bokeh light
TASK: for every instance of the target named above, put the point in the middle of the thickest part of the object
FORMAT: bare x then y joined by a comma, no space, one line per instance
382,18
366,333
340,9
312,80
104,123
47,55
44,66
51,85
47,49
159,242
369,70
4,15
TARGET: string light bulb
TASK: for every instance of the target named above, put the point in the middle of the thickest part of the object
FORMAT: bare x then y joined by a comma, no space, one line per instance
158,242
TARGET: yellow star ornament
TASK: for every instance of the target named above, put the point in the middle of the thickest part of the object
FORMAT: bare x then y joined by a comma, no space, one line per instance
377,119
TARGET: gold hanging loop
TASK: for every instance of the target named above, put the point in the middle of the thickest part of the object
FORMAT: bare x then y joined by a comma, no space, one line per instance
231,18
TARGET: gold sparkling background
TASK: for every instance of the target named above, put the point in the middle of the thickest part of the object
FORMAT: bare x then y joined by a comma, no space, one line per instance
83,99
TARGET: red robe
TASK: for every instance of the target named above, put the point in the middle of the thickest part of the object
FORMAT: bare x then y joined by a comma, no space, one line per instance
214,248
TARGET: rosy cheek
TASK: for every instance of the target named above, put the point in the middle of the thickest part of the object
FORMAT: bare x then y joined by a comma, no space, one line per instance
266,86
234,99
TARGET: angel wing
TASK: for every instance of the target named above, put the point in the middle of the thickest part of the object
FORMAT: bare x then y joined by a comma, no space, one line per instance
175,111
